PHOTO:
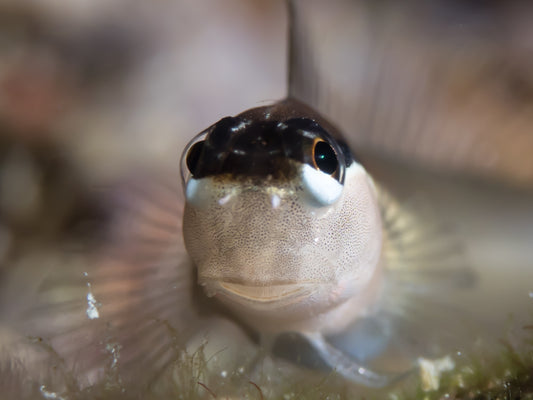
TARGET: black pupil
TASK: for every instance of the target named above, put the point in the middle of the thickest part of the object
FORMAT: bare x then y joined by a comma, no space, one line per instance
193,156
325,158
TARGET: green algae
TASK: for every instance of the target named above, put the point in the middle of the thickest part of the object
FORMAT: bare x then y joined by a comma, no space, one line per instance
506,373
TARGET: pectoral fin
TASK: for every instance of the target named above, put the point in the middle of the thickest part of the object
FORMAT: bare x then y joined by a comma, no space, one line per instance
347,366
127,307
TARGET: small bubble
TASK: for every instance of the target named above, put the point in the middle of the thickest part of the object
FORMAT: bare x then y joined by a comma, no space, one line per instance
49,395
531,294
459,353
224,374
92,307
114,350
241,370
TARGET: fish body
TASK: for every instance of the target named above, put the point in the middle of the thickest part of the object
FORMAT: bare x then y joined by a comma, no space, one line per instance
292,235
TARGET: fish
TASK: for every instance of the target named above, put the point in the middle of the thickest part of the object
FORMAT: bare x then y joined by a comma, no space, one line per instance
277,227
291,233
172,257
271,201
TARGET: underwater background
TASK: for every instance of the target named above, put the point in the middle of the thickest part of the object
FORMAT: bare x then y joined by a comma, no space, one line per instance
97,101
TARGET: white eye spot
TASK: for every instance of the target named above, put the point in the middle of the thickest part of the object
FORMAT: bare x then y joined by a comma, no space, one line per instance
198,192
191,190
275,201
323,188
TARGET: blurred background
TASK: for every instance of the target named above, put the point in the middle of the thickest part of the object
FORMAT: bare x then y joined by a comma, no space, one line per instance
89,94
94,92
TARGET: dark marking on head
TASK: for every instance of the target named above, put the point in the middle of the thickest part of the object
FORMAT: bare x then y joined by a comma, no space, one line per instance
266,148
269,142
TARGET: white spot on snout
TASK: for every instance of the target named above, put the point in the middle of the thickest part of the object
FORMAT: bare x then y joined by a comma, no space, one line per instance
224,199
275,201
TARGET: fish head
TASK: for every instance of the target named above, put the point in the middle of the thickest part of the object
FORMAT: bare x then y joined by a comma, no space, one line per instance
280,220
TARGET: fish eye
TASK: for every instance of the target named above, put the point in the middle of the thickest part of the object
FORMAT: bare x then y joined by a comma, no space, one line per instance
324,154
190,158
193,156
320,179
325,158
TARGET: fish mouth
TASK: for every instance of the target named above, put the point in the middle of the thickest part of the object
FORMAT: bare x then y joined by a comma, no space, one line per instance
264,294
